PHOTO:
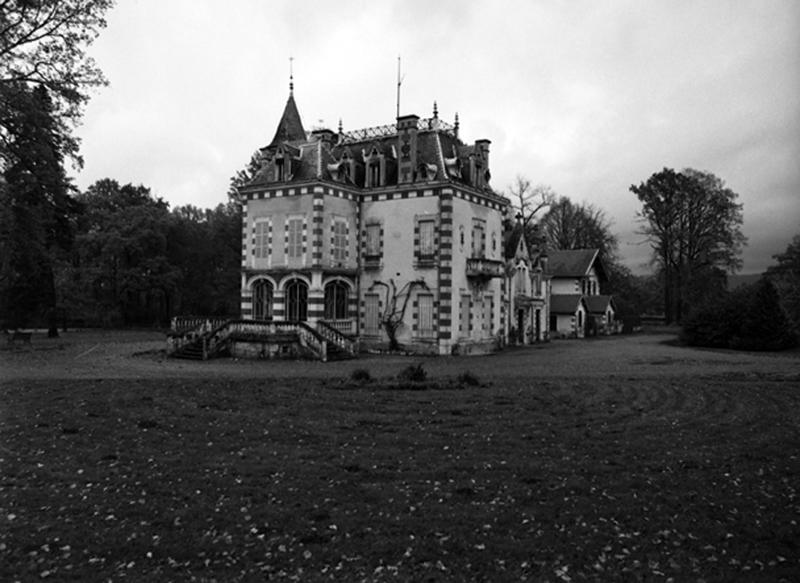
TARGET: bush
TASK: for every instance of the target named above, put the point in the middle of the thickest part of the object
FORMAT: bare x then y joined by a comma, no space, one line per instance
360,375
414,374
467,379
750,318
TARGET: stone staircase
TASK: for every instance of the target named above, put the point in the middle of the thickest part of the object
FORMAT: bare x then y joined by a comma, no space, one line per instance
199,339
190,351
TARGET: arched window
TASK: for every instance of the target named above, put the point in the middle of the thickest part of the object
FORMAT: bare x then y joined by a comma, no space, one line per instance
262,300
522,280
336,299
296,301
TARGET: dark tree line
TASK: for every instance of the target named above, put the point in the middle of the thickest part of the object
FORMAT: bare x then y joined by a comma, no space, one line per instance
45,75
132,262
136,262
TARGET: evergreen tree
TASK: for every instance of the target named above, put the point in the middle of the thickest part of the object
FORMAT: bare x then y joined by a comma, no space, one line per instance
38,205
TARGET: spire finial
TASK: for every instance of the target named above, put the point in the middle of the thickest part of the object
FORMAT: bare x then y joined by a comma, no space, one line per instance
435,111
291,76
456,125
340,126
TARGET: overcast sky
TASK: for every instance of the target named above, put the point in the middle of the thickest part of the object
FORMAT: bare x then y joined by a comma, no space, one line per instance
587,97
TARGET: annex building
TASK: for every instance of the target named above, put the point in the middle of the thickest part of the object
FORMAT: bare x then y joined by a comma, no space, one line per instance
389,223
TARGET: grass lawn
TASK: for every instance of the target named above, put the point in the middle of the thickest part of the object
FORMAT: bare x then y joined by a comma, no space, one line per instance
598,479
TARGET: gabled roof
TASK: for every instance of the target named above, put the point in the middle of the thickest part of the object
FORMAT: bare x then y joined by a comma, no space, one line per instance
599,304
565,303
513,240
574,263
290,128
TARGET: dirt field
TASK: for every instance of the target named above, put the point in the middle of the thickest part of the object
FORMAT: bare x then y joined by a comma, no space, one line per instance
616,459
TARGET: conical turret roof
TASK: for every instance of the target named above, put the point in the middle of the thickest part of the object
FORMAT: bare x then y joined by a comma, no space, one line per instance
290,128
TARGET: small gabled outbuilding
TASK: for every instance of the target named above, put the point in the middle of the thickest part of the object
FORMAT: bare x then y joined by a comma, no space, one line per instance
576,271
579,273
568,315
602,314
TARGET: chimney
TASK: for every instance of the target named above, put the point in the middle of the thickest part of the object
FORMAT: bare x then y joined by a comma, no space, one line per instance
480,163
406,148
325,136
482,148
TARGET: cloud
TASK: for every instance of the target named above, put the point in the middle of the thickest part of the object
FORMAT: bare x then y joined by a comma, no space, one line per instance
589,97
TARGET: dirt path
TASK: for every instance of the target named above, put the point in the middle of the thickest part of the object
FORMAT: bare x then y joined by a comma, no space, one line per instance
131,354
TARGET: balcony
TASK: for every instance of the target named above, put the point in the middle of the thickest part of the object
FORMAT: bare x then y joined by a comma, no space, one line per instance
479,267
372,262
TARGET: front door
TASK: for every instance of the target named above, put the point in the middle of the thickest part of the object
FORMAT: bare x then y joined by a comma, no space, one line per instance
521,326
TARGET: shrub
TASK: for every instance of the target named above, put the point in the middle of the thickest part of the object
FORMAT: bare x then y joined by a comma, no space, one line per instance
413,373
467,379
750,318
764,323
360,375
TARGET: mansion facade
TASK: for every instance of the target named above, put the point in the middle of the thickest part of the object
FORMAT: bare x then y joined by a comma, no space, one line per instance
391,223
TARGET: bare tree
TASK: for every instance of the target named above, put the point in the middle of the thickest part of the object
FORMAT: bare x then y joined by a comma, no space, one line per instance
43,43
395,306
579,226
527,200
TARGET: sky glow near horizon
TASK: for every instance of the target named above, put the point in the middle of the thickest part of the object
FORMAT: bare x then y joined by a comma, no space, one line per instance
587,97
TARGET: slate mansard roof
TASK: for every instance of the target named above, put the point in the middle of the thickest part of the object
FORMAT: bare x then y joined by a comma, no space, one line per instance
322,154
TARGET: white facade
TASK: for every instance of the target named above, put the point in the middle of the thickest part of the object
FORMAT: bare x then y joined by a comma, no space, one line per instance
339,229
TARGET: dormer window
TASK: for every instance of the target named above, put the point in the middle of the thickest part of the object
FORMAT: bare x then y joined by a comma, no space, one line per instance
376,168
427,171
280,170
476,174
374,173
343,170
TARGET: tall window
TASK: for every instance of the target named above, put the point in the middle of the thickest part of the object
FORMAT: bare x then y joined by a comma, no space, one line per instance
294,238
296,301
336,298
463,319
261,239
478,239
425,324
521,280
374,174
373,240
339,240
488,309
280,172
371,314
262,300
426,239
